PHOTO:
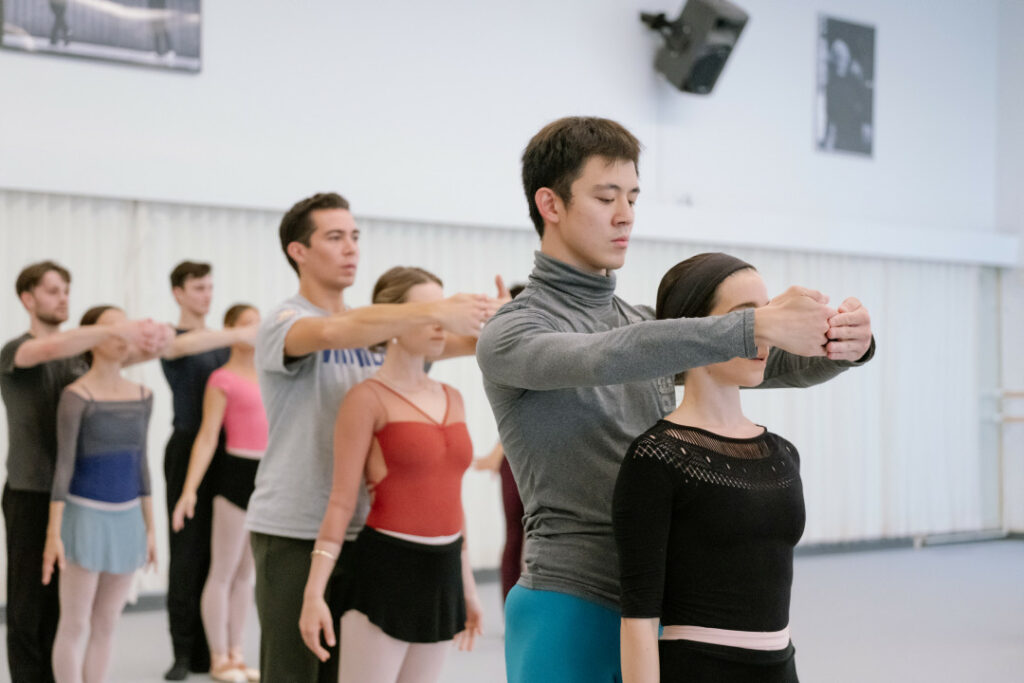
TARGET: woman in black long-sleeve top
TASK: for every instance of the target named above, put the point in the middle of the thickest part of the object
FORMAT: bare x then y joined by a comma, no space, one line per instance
707,509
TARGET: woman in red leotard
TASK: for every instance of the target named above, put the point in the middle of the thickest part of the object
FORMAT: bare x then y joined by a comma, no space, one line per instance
409,589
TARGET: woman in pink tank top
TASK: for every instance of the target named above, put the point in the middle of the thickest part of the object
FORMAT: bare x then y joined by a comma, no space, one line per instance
408,588
232,401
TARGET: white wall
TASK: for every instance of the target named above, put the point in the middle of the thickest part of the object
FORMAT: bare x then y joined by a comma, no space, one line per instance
1010,219
420,110
875,465
1010,114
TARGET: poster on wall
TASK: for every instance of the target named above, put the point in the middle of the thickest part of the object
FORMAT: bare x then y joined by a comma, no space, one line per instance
157,33
846,87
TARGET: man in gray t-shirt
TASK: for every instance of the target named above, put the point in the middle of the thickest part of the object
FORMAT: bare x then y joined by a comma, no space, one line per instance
310,351
302,397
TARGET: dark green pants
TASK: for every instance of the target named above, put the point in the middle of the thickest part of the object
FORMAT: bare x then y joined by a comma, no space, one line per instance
282,566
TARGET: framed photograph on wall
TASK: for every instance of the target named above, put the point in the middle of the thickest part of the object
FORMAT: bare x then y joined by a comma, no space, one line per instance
157,33
845,98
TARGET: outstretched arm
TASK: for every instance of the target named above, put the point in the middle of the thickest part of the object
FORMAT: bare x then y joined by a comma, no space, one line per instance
139,333
458,345
200,341
525,349
850,344
462,314
157,337
786,370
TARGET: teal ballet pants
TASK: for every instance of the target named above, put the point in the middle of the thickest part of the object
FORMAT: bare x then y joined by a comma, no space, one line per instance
559,638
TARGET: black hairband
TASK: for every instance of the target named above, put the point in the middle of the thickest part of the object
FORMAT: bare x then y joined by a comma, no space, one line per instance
688,287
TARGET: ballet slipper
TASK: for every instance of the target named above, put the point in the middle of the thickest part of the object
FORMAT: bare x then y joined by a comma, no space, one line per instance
229,674
251,675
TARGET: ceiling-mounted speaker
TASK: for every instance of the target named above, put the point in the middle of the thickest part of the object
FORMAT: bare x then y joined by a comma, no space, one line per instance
698,43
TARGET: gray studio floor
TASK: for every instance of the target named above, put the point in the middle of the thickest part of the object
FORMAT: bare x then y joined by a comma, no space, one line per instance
948,613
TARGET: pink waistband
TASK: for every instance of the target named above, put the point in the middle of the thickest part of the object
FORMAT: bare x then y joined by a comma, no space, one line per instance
749,640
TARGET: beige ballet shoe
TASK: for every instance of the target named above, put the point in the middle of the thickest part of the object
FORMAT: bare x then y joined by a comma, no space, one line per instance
229,674
251,675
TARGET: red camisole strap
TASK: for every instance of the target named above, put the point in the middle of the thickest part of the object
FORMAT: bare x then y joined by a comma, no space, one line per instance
447,401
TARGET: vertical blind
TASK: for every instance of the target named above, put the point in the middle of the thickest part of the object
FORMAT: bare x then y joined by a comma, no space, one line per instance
888,450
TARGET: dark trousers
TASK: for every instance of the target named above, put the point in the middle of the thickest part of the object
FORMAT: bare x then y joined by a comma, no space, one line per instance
33,609
282,567
190,554
512,557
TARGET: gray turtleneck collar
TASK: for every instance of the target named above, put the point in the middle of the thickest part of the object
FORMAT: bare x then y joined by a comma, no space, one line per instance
589,288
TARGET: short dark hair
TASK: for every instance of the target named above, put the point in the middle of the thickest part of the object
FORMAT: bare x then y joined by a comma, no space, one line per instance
296,225
555,156
186,270
232,315
31,275
90,317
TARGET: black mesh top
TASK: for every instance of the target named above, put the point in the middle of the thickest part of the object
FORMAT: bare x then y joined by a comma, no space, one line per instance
705,527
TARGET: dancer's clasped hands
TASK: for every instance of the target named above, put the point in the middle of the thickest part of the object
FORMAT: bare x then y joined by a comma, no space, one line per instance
800,321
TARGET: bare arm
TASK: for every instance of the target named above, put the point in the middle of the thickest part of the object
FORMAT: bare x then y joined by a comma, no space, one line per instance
639,651
358,418
155,338
199,341
466,638
53,551
215,402
462,314
457,345
73,342
147,518
492,461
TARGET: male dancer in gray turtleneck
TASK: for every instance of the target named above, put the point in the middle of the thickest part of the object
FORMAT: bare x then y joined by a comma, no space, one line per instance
574,374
